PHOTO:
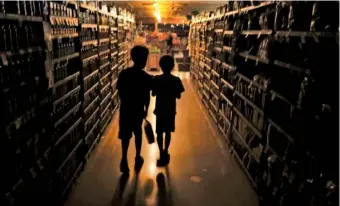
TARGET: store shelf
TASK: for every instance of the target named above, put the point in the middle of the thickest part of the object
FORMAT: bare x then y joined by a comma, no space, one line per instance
74,176
114,67
104,52
104,40
257,32
92,116
94,143
226,99
214,84
89,26
68,132
218,49
242,139
216,60
227,66
239,160
224,117
306,34
250,103
213,116
91,132
213,106
114,95
77,89
65,58
104,65
85,6
61,36
92,74
114,41
104,26
114,29
289,66
90,58
251,125
227,48
63,81
219,30
105,87
72,111
105,110
105,98
254,58
20,17
105,76
228,32
92,88
90,42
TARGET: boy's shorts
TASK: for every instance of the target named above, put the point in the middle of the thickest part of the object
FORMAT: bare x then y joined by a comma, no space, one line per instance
165,123
128,125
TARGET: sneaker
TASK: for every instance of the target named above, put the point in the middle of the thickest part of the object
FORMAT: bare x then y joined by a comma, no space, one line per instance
124,167
139,161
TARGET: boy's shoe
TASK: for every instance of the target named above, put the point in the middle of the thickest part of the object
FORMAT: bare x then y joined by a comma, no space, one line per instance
163,160
124,167
166,158
139,161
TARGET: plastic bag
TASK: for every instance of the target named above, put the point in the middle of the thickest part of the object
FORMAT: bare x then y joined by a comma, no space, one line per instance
149,132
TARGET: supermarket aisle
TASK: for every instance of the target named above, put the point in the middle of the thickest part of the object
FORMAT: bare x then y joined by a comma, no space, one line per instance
201,171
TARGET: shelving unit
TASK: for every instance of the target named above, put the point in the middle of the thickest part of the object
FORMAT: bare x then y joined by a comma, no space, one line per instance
254,93
63,100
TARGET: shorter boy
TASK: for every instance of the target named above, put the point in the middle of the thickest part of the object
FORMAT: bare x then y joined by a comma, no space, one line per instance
167,88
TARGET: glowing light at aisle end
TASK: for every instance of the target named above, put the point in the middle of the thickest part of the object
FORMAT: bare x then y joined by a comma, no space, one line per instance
157,13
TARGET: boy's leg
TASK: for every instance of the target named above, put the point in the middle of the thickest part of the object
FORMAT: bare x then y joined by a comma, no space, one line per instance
160,141
138,143
124,167
167,141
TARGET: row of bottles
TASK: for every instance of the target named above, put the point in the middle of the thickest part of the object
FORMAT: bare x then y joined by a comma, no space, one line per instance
22,73
58,9
89,51
87,17
14,36
63,47
28,8
61,29
87,34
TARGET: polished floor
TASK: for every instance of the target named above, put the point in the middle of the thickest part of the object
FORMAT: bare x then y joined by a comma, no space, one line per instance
201,172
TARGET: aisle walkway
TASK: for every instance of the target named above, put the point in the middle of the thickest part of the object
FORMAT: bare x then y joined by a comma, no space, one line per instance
201,171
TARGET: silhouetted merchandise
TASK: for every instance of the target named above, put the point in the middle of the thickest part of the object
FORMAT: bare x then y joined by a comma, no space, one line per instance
273,80
51,96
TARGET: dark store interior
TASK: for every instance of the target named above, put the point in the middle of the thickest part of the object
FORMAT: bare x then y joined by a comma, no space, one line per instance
256,118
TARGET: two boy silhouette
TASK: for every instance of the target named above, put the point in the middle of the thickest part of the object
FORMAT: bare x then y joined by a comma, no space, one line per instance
134,86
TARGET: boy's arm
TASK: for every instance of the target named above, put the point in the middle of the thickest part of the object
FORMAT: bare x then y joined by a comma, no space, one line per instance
147,97
180,89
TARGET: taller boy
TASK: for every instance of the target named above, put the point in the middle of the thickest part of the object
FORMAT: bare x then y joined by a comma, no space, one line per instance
134,86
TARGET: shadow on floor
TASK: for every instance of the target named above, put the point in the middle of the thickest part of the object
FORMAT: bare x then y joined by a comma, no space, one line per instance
119,191
164,189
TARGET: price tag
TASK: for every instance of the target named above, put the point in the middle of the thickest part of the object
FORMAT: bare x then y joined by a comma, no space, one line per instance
259,35
33,173
257,61
316,38
273,96
4,59
17,123
303,39
21,51
246,59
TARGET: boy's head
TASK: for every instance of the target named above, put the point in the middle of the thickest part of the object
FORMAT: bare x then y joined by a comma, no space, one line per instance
139,56
167,63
